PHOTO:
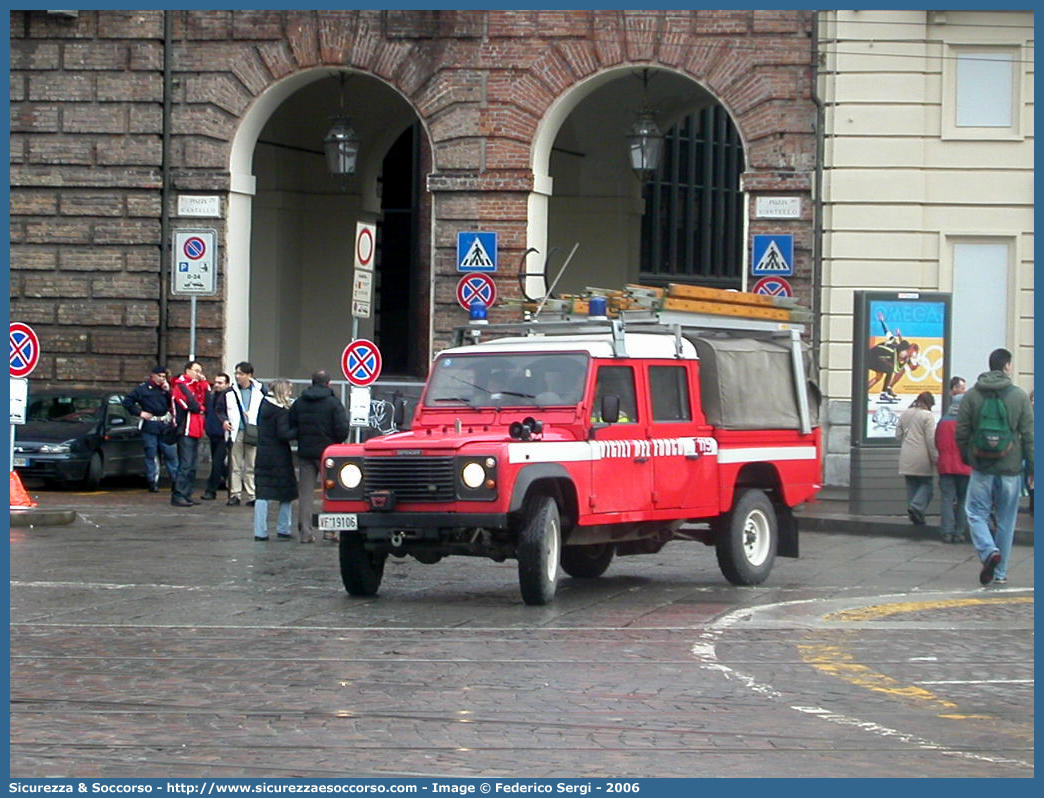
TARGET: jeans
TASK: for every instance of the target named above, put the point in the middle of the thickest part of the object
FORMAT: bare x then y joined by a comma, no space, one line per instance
153,446
218,466
308,471
953,488
188,449
261,518
918,493
999,494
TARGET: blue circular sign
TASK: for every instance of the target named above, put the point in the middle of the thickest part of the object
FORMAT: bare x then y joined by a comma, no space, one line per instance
195,248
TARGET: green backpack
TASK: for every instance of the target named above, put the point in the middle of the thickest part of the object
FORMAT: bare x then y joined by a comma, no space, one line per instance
993,436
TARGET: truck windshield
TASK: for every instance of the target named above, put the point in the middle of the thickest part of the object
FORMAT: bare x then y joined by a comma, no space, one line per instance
507,380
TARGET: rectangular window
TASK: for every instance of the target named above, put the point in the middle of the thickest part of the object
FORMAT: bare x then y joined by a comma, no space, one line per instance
618,381
985,93
692,229
980,304
982,92
670,393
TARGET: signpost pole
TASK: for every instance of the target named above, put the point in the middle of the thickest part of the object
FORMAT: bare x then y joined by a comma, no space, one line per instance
192,327
25,355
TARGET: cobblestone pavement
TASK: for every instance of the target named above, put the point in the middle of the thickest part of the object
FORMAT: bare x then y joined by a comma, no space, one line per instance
148,641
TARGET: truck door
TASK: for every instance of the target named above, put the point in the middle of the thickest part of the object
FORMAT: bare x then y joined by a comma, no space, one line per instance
621,468
683,475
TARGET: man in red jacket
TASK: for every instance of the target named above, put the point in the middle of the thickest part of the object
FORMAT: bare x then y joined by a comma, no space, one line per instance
189,402
953,471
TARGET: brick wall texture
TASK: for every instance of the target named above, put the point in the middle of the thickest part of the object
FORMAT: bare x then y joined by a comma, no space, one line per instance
87,121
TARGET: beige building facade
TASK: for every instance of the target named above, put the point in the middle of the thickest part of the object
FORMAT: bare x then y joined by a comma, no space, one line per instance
927,184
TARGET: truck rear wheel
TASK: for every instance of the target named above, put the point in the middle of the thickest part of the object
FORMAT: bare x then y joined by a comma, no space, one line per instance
539,545
747,539
361,571
587,562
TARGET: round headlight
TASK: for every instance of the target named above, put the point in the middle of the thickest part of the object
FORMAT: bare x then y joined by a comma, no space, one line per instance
473,475
350,475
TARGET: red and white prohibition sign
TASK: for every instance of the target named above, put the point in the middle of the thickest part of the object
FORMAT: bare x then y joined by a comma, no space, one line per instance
361,362
476,286
194,248
772,286
25,349
364,247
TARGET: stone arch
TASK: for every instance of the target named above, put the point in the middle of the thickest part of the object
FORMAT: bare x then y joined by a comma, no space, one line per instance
243,186
685,93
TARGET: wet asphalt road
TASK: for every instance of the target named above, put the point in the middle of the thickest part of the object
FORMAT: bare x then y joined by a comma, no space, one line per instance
151,641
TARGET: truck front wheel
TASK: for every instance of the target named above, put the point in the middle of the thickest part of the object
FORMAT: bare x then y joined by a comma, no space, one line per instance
361,571
539,544
747,539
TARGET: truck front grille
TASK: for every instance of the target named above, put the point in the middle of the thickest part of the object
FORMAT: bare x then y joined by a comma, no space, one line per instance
413,479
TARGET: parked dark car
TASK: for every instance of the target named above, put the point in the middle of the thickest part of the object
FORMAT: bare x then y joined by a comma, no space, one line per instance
76,437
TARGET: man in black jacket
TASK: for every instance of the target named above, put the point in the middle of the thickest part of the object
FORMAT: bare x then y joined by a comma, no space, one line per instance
320,420
150,401
214,426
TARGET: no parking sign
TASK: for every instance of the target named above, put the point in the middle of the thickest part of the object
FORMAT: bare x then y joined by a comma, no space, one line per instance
476,287
25,349
361,362
194,253
773,286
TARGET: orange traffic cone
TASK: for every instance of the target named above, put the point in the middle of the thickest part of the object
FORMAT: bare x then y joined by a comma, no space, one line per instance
19,498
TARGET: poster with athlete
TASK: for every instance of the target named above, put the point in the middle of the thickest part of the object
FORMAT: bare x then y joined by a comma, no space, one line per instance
903,343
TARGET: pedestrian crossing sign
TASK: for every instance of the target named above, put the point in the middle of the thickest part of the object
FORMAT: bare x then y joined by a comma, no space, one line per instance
772,254
476,252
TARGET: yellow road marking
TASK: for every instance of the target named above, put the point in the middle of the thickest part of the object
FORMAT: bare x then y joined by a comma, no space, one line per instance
835,661
877,611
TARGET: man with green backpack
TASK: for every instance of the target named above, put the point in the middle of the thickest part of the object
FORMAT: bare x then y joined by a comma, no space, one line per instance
995,437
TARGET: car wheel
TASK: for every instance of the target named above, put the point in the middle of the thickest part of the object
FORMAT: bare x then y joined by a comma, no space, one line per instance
587,562
747,539
95,470
361,570
538,552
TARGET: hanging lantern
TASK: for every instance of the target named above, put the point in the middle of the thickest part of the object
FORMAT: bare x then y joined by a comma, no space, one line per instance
645,143
342,148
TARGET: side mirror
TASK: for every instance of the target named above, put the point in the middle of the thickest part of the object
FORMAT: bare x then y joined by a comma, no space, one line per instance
399,413
610,408
117,421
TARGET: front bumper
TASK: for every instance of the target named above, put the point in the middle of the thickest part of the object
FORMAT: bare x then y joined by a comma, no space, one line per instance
391,522
56,467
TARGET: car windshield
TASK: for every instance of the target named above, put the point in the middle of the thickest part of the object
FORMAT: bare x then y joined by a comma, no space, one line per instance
65,408
507,380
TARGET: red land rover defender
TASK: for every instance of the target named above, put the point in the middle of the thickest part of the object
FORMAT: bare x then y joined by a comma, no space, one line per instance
580,440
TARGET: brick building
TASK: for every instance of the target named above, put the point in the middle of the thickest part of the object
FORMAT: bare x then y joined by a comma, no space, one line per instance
513,122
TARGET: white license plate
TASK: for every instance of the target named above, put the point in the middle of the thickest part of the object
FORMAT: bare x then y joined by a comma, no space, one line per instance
338,521
21,461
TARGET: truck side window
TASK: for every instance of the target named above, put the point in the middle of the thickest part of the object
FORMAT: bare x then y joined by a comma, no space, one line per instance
670,393
617,380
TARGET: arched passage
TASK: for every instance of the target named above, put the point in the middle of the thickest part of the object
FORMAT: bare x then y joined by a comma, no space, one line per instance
585,191
291,228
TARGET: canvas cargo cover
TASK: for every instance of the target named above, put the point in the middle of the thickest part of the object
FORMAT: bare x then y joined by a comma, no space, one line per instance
748,383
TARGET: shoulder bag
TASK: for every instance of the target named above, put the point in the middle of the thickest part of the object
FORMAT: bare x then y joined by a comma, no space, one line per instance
250,431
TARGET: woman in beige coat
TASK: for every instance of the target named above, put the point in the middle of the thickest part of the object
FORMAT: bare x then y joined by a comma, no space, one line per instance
917,454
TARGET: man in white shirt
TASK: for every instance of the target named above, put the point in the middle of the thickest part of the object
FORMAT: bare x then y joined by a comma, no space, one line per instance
242,403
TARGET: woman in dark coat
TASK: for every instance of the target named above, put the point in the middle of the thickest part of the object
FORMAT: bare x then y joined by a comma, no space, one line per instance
274,477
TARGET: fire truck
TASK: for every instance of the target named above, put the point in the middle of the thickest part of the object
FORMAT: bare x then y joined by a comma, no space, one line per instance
564,444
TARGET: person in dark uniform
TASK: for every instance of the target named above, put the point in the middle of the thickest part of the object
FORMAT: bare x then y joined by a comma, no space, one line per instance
150,401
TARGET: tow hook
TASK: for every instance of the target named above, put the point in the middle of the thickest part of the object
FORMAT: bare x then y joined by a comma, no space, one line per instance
396,539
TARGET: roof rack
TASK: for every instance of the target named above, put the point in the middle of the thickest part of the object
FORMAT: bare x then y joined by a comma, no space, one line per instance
644,321
659,322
